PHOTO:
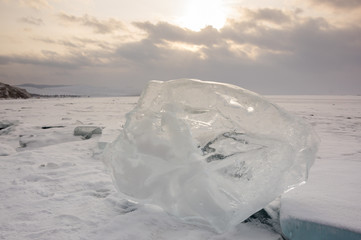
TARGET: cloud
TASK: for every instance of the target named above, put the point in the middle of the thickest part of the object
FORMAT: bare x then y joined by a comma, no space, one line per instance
4,60
78,43
351,7
49,61
37,4
297,52
99,26
310,42
239,39
339,4
75,58
266,50
267,14
166,31
32,21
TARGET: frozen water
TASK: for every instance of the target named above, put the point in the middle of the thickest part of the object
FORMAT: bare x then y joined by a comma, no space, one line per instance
297,229
47,192
209,152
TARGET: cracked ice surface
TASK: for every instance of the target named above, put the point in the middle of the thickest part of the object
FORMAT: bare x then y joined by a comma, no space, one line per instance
209,152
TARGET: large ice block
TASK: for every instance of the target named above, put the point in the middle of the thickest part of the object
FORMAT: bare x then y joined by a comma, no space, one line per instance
209,152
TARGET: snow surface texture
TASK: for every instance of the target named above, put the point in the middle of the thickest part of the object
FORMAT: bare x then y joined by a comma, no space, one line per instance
55,190
329,204
209,152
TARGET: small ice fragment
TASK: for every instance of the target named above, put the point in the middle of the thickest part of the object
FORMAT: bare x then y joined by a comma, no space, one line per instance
209,151
87,131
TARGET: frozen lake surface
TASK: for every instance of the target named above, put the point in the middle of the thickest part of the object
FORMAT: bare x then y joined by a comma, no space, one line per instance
54,186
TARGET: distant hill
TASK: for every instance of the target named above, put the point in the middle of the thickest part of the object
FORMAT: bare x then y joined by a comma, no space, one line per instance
71,90
7,91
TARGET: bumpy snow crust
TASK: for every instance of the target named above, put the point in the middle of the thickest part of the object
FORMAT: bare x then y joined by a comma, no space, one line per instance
209,152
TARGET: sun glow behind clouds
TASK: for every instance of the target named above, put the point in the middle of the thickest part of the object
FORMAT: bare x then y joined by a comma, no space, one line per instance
203,13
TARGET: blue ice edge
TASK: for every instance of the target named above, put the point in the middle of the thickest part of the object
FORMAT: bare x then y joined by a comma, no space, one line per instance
296,229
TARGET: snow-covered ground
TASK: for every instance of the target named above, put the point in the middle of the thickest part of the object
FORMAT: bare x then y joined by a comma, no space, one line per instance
53,185
332,195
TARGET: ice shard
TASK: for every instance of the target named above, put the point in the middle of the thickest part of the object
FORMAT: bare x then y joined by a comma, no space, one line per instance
209,152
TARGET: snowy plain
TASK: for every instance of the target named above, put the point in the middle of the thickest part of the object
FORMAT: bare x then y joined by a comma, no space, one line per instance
54,185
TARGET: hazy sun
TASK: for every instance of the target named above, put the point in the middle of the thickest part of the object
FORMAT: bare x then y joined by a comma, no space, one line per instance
202,13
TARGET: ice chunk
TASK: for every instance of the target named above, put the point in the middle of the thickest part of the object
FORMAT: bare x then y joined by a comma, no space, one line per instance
209,152
87,131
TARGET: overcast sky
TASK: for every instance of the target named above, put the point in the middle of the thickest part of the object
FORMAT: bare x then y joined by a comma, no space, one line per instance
271,47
